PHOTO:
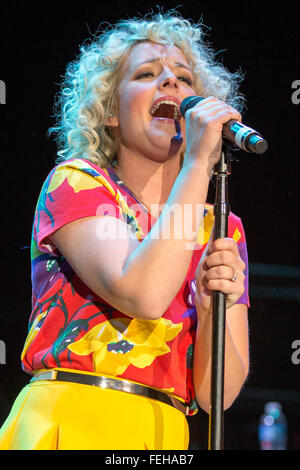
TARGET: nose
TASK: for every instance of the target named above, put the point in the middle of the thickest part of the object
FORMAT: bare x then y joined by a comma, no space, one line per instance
168,80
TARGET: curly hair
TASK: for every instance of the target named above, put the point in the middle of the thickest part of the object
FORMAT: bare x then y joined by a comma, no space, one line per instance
88,91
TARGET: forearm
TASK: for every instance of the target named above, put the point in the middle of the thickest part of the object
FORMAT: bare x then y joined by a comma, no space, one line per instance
160,263
235,363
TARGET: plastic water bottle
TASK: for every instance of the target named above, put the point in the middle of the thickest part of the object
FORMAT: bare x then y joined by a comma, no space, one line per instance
272,430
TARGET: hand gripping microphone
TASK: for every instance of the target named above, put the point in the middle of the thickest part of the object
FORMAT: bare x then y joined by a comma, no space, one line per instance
235,132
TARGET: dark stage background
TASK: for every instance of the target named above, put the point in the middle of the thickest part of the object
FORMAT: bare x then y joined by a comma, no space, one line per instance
36,42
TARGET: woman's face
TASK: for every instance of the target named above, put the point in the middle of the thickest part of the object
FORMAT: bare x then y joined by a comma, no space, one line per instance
154,80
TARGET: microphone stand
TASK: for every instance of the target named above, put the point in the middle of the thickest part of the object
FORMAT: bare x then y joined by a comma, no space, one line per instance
221,213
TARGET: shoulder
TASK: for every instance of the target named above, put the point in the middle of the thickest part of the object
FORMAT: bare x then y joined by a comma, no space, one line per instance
80,174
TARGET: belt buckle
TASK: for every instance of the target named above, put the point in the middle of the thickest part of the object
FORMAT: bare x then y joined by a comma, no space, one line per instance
47,375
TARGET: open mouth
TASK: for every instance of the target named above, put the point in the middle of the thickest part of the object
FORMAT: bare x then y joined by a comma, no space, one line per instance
166,108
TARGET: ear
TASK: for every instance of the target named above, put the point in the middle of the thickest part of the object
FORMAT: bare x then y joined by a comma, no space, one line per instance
112,121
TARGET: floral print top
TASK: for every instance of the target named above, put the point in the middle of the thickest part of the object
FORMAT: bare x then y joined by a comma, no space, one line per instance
70,327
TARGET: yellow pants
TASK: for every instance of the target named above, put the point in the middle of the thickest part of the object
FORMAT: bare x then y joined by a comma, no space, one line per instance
67,416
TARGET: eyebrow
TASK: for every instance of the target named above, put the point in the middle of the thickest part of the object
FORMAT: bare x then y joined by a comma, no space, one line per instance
157,59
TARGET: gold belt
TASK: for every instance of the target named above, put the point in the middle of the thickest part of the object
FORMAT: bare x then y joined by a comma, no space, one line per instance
104,382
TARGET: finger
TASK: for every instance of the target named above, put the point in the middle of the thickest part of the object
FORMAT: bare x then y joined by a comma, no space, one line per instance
224,114
225,258
221,272
210,102
207,250
207,102
225,286
225,243
215,112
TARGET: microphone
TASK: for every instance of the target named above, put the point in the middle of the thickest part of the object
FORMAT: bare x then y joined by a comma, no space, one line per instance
235,132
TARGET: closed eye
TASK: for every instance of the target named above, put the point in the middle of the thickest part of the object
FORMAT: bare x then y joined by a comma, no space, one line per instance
181,78
144,75
186,80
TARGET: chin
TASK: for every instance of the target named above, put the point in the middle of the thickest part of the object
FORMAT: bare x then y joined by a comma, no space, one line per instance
166,148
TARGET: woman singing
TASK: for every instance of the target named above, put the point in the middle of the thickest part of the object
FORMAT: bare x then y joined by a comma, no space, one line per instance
123,261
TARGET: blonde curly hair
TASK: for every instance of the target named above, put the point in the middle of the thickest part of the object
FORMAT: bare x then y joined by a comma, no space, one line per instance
88,92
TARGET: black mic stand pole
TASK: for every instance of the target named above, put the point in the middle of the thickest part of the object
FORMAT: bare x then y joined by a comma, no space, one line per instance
221,213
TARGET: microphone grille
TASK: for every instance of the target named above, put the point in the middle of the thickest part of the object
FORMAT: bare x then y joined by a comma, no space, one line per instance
189,102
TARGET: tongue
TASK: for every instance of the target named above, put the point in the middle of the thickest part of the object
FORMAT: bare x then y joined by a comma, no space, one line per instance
165,111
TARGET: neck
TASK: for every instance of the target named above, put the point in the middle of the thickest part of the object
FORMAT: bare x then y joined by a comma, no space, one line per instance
149,180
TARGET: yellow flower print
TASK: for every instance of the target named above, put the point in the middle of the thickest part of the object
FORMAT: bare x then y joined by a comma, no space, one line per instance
80,176
121,342
206,226
236,235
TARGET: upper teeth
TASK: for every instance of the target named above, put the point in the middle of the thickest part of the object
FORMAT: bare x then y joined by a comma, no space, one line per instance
176,107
